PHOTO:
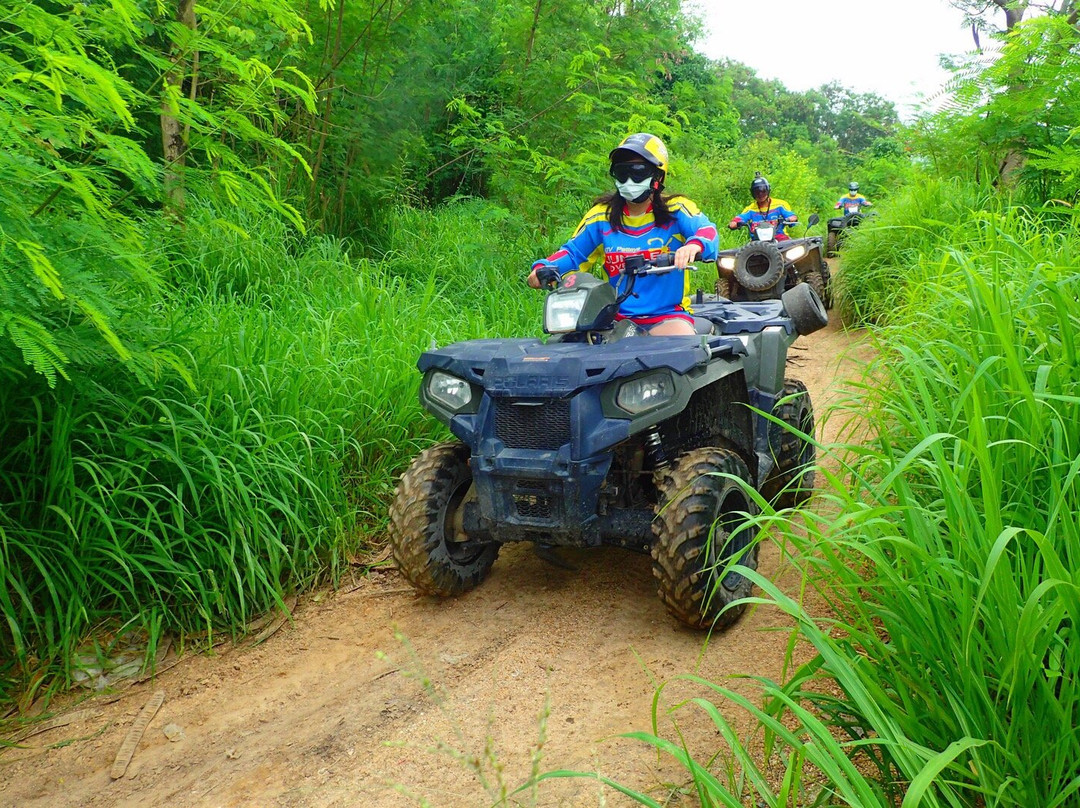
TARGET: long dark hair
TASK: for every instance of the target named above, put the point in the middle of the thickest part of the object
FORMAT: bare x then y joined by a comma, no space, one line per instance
615,205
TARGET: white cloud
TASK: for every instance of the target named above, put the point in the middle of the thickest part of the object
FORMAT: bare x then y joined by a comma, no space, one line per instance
888,48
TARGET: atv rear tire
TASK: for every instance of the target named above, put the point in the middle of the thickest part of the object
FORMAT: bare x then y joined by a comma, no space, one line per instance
698,530
429,547
831,243
803,305
758,266
792,481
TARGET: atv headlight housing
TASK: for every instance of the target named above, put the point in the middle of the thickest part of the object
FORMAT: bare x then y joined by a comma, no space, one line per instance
453,393
727,262
562,310
645,392
795,253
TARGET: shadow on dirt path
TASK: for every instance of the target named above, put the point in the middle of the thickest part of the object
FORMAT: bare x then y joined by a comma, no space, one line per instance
375,697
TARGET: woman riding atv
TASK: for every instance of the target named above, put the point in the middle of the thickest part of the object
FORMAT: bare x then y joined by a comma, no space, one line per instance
638,219
764,208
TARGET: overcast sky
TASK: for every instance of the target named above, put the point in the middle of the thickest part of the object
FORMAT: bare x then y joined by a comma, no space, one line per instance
888,47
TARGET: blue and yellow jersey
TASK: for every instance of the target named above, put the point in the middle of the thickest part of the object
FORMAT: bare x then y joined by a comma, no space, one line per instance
595,242
852,202
776,212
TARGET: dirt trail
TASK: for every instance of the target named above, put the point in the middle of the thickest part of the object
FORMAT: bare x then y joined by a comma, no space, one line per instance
334,709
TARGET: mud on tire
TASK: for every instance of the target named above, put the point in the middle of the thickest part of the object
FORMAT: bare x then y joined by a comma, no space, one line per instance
431,551
792,481
689,554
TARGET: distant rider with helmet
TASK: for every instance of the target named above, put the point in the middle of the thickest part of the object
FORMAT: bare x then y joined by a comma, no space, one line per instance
765,208
638,219
854,201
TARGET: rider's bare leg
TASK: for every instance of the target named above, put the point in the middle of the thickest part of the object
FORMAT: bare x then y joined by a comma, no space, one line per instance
673,327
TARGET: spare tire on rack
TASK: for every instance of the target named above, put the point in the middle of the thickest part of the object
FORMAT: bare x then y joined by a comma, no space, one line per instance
804,307
758,266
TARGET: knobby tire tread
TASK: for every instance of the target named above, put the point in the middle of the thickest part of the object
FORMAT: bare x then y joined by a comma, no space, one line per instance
792,482
690,498
417,519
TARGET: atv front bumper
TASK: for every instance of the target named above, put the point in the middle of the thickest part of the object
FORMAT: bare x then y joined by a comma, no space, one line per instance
540,497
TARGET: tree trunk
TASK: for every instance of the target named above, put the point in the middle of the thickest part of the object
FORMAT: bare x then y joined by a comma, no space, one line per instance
173,135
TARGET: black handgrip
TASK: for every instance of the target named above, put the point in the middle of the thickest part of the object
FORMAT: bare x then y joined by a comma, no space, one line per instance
664,260
548,277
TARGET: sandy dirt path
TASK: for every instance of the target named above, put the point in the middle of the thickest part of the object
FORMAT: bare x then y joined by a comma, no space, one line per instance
375,697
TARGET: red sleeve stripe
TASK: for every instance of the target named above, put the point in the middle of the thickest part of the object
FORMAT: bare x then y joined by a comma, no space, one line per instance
550,259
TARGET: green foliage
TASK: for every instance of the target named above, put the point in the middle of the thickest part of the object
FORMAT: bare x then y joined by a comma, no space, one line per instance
1017,100
193,507
854,121
959,520
889,259
81,87
68,157
500,99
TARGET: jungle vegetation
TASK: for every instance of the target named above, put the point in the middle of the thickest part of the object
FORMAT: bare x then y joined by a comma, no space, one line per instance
220,225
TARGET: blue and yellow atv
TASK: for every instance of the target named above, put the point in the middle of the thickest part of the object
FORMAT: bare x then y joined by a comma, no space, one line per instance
598,436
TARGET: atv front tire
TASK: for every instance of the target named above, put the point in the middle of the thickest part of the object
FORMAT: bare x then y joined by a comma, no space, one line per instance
826,280
792,481
817,283
698,531
429,546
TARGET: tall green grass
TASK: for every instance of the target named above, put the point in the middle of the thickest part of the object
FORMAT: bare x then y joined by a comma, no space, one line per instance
189,503
947,549
886,260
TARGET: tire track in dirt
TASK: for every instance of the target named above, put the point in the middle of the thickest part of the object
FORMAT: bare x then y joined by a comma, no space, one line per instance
349,704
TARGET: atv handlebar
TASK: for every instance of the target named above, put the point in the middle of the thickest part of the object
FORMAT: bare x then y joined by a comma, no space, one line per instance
640,265
736,224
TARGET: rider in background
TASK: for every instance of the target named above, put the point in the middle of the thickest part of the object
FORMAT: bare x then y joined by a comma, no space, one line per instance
765,208
854,201
638,219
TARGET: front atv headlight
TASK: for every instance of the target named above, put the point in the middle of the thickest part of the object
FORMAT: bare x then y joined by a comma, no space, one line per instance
562,310
645,392
795,253
449,391
727,262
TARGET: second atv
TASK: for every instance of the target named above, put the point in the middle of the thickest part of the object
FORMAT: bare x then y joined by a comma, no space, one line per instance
767,266
599,436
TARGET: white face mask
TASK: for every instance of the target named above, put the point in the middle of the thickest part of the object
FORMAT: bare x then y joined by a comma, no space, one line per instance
634,191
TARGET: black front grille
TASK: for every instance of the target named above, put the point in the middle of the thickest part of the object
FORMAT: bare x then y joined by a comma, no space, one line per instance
533,426
532,500
533,507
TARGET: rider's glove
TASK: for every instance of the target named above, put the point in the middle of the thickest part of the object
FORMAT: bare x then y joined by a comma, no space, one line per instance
734,224
548,277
